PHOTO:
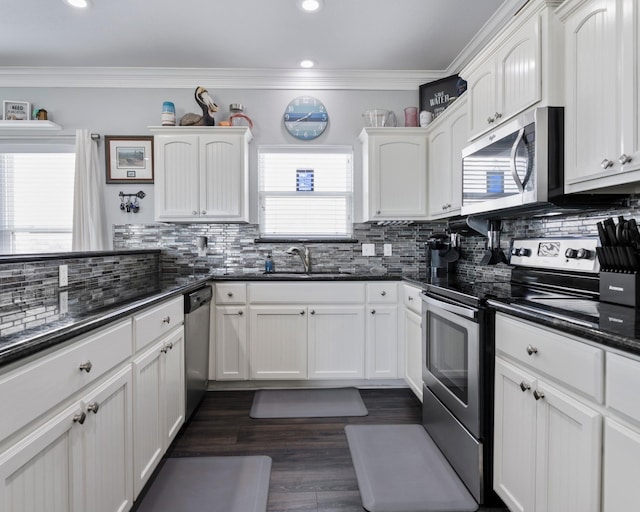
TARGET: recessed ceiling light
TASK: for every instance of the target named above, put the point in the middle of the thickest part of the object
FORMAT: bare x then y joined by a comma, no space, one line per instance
80,4
310,5
307,63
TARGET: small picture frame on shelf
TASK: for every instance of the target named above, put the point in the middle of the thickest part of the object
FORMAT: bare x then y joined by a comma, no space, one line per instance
129,159
16,110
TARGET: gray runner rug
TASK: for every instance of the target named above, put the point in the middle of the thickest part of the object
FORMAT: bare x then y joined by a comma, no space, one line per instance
307,403
400,469
211,484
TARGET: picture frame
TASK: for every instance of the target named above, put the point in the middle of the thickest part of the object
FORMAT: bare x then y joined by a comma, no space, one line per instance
16,110
129,159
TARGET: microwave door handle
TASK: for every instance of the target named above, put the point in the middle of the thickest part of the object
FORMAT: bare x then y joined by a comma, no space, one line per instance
514,172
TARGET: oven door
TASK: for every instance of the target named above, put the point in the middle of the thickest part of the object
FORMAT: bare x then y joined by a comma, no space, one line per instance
451,358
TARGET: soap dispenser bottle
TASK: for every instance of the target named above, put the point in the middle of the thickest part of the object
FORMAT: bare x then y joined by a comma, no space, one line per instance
268,264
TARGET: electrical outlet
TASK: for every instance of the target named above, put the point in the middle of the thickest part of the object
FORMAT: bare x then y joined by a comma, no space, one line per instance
368,249
63,275
388,251
63,302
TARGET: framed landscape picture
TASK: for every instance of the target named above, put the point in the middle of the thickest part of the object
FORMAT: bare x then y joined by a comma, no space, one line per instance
129,159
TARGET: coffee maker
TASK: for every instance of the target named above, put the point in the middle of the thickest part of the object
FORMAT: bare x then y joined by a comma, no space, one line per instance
442,253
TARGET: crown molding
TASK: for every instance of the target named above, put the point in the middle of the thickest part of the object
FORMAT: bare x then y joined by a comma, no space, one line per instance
218,78
500,18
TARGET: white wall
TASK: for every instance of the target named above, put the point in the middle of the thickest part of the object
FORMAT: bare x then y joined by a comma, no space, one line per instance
115,111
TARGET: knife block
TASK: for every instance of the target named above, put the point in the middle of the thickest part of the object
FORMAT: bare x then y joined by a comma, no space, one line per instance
620,288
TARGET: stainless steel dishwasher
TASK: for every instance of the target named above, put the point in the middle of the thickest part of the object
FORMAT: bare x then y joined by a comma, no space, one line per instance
197,309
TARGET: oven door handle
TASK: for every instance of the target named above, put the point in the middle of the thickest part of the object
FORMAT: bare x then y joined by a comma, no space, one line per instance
452,308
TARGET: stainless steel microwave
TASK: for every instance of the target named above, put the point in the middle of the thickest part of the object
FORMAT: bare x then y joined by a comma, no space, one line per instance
518,166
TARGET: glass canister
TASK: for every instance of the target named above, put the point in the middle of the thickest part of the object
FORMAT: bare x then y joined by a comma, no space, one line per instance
168,117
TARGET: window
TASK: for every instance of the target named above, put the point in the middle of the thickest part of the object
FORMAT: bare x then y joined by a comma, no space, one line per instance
305,193
36,199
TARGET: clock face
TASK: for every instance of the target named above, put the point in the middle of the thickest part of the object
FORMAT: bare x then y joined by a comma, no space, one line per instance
305,118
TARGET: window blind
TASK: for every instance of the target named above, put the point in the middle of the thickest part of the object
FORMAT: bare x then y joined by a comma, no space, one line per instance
305,193
36,207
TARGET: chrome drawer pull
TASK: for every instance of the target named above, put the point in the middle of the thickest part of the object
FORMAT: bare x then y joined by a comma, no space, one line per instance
93,407
373,311
606,163
524,386
240,313
86,366
538,394
166,320
383,293
229,294
531,350
79,418
624,159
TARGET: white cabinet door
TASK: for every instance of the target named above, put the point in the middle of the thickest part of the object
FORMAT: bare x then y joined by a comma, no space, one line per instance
514,437
173,386
107,445
223,177
630,90
394,174
43,471
232,359
148,421
481,90
382,347
412,328
592,136
568,453
177,177
621,467
336,342
278,342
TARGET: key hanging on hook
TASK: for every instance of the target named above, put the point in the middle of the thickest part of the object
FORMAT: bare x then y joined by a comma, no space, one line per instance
121,201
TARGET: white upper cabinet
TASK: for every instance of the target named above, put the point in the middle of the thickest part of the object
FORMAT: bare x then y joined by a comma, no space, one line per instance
394,174
447,137
201,174
520,68
602,94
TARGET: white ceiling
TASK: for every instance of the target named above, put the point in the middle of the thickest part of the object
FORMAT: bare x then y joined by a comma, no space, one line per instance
246,34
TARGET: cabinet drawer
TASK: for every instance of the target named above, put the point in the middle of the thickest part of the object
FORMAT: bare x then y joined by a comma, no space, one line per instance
565,359
231,293
412,298
154,322
622,385
29,391
382,293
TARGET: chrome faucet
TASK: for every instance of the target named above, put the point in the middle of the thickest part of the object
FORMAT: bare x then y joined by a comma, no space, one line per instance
305,256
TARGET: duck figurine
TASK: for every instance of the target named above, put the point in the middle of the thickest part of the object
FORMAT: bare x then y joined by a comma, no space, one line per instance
208,109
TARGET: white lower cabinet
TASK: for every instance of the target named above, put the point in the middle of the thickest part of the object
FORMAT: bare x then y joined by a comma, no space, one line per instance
278,342
412,329
232,361
621,467
158,402
382,347
336,342
78,460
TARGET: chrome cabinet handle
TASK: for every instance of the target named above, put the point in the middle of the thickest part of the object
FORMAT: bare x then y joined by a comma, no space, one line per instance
524,386
377,212
497,115
302,312
606,163
194,212
79,418
229,294
170,345
240,313
490,120
624,159
86,366
373,311
93,407
313,311
166,348
166,320
531,350
383,293
203,212
410,298
537,394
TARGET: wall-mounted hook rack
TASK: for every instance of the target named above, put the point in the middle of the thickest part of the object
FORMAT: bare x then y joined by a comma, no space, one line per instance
129,205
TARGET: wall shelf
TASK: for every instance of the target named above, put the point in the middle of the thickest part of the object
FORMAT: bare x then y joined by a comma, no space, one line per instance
29,125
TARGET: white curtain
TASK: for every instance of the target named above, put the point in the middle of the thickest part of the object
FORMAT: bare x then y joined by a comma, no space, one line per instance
89,232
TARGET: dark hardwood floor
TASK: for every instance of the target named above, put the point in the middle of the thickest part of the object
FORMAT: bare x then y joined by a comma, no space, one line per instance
312,468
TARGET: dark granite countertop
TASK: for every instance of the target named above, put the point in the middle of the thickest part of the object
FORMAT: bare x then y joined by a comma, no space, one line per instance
617,328
79,321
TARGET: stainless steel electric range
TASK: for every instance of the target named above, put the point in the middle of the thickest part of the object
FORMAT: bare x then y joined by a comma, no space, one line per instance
556,275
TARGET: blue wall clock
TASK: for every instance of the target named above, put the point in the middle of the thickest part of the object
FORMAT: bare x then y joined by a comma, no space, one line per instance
305,118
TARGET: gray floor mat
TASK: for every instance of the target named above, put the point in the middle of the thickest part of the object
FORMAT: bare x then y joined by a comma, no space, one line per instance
212,484
307,403
400,469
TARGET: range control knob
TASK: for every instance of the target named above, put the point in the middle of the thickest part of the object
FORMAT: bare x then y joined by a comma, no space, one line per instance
584,254
521,251
571,254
